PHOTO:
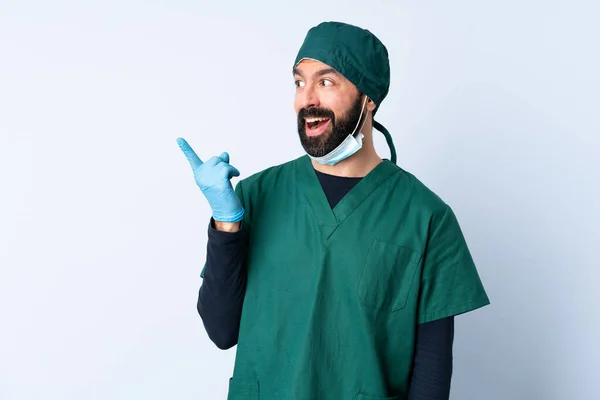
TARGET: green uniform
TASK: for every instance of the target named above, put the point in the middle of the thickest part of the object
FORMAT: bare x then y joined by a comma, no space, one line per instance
333,296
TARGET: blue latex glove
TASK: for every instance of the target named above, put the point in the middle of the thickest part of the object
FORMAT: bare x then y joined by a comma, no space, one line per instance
213,179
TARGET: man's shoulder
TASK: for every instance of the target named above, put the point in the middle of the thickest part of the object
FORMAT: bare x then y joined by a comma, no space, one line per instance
270,175
423,197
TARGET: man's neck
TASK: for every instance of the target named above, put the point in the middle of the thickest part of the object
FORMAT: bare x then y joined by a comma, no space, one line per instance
358,165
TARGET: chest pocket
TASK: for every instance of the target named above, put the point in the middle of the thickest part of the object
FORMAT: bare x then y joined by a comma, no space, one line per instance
387,275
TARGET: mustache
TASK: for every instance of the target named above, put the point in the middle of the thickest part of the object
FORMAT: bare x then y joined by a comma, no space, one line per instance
315,112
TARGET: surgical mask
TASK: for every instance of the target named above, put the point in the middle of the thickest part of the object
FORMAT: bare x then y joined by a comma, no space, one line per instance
348,147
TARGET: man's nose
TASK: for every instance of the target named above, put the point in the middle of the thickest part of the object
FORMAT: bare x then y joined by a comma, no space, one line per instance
309,98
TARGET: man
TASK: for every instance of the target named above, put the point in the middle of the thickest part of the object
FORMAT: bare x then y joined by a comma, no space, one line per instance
337,274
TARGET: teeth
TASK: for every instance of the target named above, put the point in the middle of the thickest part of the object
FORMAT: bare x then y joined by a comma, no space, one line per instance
310,120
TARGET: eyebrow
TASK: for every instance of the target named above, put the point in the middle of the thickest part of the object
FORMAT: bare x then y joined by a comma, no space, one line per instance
321,72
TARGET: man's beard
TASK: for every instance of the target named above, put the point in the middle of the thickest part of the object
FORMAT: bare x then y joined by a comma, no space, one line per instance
318,146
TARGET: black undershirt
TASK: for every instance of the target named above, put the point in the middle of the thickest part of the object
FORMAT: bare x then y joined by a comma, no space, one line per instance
222,291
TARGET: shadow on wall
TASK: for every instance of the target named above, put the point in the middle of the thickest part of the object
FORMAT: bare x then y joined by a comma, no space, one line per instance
498,172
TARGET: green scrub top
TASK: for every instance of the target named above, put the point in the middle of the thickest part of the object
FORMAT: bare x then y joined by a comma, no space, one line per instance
333,296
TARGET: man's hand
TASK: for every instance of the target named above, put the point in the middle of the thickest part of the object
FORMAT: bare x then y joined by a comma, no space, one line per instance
213,179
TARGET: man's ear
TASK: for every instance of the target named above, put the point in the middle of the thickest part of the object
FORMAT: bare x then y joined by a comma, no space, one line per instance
370,104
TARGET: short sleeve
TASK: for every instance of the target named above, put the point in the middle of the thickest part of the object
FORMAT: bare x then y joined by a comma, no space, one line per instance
450,283
240,195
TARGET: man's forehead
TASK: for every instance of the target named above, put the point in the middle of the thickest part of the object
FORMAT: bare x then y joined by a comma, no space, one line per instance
310,67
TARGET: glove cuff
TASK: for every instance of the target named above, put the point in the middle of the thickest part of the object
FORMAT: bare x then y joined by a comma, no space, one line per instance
237,217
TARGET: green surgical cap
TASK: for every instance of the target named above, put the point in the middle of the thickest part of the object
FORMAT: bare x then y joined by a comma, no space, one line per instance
355,53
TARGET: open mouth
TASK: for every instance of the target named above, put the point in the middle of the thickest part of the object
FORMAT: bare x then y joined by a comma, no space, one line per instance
316,126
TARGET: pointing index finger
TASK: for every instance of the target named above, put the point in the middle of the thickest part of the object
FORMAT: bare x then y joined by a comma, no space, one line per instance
190,154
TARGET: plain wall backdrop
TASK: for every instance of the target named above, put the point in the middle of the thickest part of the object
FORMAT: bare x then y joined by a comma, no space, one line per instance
494,105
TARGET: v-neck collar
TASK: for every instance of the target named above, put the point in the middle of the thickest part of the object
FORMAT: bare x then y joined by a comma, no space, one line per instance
329,218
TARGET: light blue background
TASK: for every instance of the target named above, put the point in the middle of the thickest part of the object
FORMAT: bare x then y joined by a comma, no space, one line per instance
493,104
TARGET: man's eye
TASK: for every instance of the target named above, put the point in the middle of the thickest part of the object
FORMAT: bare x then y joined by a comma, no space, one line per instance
326,82
299,83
